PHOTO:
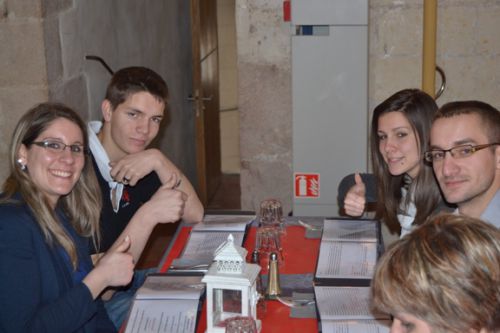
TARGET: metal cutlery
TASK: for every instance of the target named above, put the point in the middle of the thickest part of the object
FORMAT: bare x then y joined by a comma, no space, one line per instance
310,227
295,303
197,267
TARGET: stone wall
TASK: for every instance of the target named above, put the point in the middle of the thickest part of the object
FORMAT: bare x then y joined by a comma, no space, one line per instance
23,78
44,44
130,33
468,49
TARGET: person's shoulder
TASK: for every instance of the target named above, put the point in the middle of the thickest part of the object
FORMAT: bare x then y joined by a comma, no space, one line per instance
12,206
20,234
15,210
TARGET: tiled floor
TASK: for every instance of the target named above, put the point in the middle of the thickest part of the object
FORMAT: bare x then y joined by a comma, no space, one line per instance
226,197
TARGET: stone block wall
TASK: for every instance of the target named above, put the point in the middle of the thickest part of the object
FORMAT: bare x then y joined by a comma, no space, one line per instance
44,44
23,78
468,49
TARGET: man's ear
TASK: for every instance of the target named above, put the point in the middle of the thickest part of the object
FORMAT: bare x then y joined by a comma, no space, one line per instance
107,110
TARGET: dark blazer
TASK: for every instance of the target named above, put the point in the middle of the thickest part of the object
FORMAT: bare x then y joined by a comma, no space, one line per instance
37,291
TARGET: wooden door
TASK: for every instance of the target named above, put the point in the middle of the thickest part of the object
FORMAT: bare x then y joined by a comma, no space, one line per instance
206,95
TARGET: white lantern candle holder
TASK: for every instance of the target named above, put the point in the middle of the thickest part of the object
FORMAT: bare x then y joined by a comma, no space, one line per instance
231,287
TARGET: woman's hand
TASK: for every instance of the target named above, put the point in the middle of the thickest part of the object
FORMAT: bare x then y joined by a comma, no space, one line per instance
114,269
355,199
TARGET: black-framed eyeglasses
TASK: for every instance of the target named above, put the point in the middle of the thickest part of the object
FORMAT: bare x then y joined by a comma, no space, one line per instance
462,151
59,147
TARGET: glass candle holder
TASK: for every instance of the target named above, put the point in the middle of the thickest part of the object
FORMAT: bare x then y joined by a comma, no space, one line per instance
241,325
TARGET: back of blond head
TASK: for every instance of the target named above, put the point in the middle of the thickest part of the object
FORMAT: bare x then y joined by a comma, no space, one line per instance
446,272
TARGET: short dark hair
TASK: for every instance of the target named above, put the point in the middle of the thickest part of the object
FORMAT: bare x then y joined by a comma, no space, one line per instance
490,117
131,80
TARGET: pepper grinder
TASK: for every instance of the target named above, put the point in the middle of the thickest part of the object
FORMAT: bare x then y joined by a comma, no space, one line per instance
273,289
261,304
256,260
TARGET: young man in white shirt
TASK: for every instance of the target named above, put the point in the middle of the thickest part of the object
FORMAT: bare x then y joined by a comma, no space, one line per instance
140,186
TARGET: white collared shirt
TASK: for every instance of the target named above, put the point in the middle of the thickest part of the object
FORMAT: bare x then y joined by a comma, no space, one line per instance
406,214
102,160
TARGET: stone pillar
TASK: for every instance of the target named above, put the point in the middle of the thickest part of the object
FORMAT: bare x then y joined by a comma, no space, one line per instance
264,94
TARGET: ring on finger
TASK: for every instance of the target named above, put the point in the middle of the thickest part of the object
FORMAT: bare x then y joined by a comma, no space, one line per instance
177,184
125,180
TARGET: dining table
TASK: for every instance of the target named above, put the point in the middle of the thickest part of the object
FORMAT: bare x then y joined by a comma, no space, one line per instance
299,250
300,254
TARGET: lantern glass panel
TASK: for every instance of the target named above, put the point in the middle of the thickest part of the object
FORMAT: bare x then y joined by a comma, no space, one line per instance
227,304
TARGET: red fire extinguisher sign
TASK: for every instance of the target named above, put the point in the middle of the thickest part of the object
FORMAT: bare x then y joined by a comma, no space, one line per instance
306,185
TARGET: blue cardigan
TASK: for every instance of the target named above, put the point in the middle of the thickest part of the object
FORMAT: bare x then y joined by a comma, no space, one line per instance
37,291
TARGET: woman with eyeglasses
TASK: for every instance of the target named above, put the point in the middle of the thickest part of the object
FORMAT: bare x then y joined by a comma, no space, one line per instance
406,189
442,277
49,213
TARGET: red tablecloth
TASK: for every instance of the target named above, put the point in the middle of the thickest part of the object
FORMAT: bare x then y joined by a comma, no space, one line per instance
300,254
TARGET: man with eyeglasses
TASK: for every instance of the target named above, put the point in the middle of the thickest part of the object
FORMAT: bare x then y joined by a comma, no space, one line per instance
465,155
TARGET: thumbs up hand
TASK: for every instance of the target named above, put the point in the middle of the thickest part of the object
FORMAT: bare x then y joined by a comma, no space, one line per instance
114,269
355,199
117,264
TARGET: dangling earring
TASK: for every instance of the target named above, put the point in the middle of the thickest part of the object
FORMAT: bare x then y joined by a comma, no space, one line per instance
21,165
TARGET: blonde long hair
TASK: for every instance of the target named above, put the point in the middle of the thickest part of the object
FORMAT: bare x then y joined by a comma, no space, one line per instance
445,272
82,205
